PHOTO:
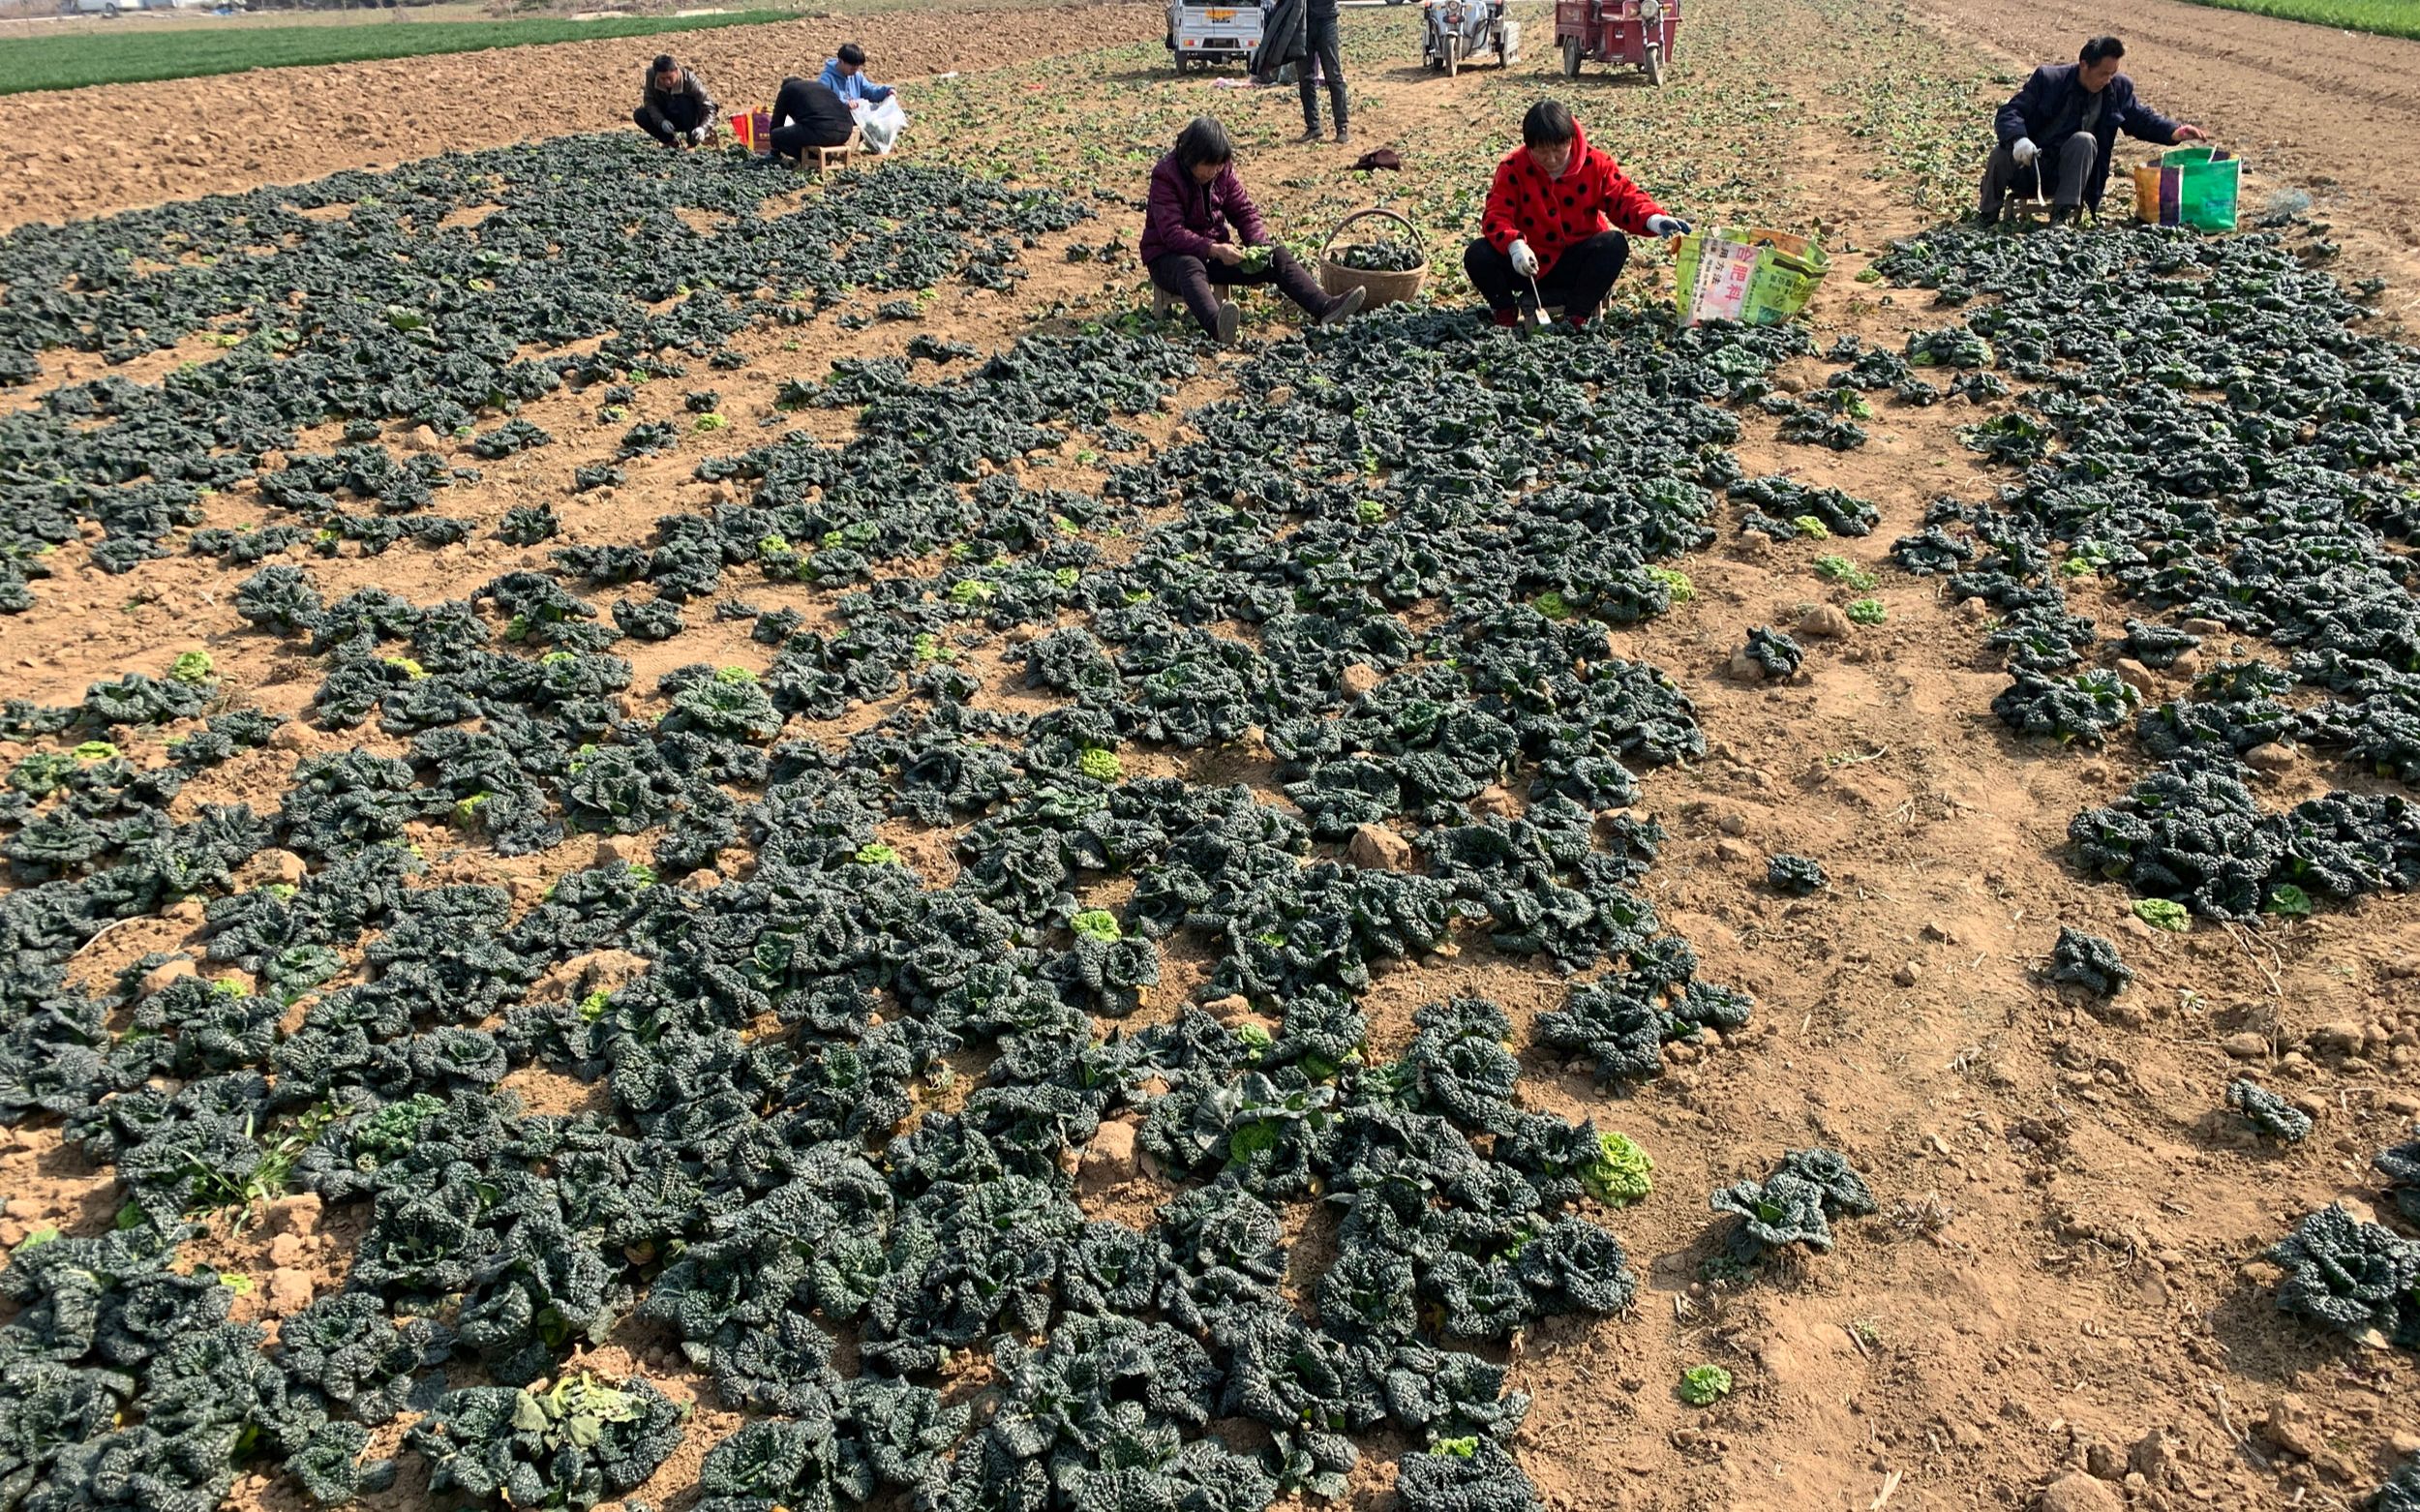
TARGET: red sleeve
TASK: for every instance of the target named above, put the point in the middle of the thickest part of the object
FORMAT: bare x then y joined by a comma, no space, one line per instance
1625,203
1500,223
1253,230
1164,215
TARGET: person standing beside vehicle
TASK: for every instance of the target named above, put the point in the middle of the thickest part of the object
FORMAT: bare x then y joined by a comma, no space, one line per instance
1322,57
1195,199
674,104
1559,217
2059,133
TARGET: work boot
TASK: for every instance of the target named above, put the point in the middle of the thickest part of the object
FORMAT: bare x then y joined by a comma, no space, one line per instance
2065,215
1231,320
1342,136
1343,306
1311,133
1987,216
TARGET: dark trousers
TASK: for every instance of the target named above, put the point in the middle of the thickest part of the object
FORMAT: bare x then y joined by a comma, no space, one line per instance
683,113
1191,279
2061,173
1320,46
801,120
1577,281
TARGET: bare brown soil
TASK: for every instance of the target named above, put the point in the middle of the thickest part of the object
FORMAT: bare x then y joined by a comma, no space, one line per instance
86,152
2066,1278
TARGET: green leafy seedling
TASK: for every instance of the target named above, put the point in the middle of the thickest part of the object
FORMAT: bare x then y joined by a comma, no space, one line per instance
1100,764
2288,901
1676,583
1865,611
190,667
2162,914
1095,924
1812,529
1833,568
1618,1176
877,853
1553,605
1703,1385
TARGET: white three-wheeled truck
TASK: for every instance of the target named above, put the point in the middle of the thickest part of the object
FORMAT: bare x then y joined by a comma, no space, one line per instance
1201,34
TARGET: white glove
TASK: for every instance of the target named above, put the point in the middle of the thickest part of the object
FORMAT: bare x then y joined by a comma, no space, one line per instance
697,134
2024,151
1525,262
1667,226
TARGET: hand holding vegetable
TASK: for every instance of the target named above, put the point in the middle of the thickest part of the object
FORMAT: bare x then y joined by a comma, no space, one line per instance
1226,253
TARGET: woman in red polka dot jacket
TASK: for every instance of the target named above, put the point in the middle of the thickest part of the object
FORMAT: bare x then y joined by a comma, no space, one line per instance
1557,213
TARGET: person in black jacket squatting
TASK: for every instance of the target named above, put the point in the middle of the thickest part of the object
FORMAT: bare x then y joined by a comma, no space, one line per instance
675,105
807,113
2061,131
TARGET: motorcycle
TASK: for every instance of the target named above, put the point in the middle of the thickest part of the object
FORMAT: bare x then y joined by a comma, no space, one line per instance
1454,31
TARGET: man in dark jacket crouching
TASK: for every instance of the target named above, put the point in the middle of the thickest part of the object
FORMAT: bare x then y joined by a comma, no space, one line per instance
2058,135
674,104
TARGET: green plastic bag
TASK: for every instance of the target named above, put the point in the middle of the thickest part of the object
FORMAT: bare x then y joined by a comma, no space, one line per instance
2189,185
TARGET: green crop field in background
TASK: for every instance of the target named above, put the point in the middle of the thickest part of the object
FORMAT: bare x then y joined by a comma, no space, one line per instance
2389,17
143,51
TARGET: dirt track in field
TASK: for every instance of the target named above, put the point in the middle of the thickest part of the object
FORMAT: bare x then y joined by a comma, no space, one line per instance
84,152
2331,112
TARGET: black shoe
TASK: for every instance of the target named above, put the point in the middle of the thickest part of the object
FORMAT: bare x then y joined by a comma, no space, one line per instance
1342,136
1311,133
2064,214
1985,219
1344,307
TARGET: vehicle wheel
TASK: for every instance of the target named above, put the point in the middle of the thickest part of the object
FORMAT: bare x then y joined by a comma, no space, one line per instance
1571,57
1655,66
1453,56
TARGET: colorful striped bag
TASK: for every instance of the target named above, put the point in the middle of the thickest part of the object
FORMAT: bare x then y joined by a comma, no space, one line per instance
2190,186
754,128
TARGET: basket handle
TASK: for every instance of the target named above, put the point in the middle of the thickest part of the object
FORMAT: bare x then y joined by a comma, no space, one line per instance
1411,231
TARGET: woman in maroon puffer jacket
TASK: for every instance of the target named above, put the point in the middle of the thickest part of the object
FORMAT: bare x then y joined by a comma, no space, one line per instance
1197,203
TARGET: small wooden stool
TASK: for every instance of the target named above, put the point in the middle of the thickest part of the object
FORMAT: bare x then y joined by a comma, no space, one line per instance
822,158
